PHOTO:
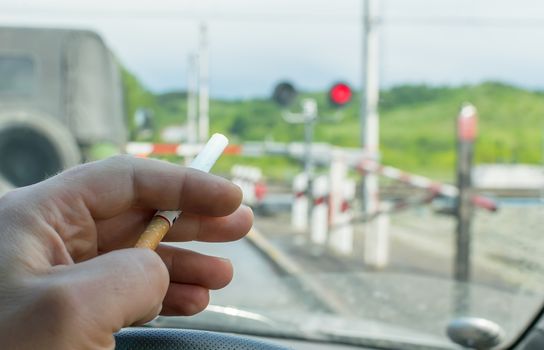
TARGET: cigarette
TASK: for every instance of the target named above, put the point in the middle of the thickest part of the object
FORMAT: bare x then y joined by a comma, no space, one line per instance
163,220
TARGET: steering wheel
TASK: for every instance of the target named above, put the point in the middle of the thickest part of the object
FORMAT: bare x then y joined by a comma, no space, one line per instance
182,339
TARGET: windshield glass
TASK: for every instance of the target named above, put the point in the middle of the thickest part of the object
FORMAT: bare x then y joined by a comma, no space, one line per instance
392,151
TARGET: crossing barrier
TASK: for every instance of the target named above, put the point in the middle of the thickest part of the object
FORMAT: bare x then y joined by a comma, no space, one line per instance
369,166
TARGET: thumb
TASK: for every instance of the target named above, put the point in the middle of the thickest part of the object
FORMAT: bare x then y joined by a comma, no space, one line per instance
119,288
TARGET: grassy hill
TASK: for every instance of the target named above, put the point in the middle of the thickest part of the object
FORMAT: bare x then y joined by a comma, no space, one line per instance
417,124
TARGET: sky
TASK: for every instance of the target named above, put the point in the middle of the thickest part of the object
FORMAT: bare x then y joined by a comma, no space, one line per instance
313,43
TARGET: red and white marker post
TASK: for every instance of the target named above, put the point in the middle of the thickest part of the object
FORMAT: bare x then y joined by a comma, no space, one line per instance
342,233
466,135
320,211
342,192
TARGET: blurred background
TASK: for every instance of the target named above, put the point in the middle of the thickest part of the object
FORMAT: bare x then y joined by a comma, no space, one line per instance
385,146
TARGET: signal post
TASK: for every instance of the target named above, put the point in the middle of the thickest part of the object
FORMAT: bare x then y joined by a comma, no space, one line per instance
376,252
285,95
466,134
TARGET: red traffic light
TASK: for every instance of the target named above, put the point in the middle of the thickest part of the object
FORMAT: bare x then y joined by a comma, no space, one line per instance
340,94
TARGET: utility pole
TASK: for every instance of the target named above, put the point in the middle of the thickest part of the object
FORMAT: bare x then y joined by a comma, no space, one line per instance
376,245
192,108
203,85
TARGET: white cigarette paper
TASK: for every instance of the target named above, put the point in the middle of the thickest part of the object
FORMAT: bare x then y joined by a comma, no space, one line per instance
204,161
163,220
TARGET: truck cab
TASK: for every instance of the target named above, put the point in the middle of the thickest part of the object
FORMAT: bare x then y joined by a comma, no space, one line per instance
60,94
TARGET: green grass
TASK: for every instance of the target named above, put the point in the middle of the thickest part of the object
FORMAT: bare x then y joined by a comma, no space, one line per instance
417,125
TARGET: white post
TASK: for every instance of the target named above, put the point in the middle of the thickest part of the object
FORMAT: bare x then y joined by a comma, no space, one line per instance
253,175
240,181
246,185
337,178
377,240
342,235
319,223
370,127
237,172
299,209
203,83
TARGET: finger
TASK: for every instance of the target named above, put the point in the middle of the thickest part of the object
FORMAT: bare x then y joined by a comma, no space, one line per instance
185,300
123,230
212,229
112,186
189,267
117,289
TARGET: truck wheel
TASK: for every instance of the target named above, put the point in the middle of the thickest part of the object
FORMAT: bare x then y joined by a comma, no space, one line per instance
33,147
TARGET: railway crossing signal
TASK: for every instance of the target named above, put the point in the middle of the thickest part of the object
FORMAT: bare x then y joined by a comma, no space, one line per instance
284,94
340,94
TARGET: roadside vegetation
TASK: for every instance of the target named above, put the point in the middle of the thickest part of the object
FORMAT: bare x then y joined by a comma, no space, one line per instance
417,124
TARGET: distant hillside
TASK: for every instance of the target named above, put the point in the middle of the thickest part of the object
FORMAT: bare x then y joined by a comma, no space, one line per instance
417,122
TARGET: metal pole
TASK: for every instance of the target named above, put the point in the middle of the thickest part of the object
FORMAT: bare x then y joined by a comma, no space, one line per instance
369,104
203,121
376,252
309,111
466,133
192,82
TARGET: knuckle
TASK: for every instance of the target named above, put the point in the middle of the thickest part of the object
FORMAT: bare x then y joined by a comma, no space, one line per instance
120,162
74,171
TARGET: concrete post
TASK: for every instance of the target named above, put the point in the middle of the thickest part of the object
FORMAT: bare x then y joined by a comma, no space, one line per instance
370,128
299,209
320,211
341,239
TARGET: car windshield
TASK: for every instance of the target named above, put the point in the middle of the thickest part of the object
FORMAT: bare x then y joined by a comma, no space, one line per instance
392,151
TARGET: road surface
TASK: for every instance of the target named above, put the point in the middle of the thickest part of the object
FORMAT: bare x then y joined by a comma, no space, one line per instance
256,281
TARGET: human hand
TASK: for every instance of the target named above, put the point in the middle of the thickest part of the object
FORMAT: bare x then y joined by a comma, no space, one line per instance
68,275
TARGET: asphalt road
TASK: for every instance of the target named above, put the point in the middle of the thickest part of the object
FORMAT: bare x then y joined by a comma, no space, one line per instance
256,284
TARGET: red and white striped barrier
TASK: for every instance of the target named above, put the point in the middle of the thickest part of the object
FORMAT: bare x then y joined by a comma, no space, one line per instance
369,166
322,152
147,149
